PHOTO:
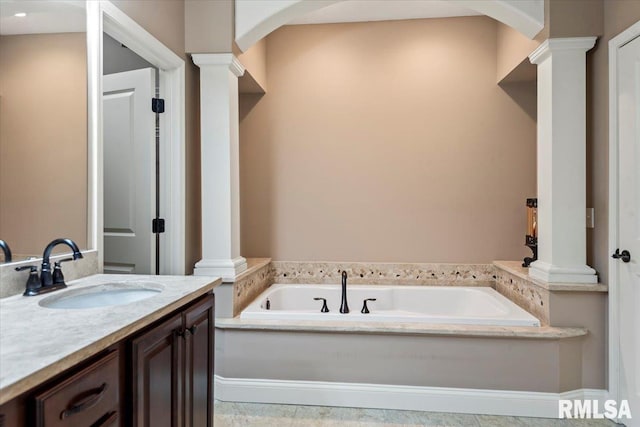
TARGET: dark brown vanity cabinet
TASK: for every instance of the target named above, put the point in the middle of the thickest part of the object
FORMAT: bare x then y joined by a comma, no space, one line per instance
159,376
172,370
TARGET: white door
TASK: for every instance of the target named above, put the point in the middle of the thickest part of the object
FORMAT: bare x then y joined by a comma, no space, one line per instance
628,99
129,172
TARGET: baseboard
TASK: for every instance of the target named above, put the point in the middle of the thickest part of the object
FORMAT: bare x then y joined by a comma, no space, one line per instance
381,396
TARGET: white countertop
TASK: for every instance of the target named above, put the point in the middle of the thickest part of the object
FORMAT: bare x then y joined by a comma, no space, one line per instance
37,343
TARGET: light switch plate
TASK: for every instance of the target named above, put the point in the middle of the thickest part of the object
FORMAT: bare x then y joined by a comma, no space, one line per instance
590,218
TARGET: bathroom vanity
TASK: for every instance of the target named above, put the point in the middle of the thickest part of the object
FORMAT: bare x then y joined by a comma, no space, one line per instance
148,362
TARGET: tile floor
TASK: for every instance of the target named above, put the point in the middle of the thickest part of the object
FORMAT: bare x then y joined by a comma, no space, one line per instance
230,414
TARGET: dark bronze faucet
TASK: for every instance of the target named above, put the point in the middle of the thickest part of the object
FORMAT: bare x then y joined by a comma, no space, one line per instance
48,280
344,307
6,250
46,277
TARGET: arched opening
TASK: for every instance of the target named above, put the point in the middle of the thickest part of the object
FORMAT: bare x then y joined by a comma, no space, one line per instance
256,19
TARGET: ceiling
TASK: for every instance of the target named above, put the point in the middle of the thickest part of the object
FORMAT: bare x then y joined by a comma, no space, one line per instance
42,17
383,10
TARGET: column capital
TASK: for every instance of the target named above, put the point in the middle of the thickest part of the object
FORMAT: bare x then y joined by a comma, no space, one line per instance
219,59
550,46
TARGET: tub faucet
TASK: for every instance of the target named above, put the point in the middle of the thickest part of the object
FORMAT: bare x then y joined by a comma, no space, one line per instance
46,276
344,307
6,250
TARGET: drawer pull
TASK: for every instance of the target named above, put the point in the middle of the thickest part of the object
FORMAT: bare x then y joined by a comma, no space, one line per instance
93,397
106,420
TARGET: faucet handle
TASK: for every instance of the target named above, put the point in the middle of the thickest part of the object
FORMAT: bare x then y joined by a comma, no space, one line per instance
33,282
324,308
365,309
57,263
58,277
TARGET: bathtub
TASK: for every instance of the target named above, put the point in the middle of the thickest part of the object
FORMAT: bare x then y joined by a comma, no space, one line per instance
413,304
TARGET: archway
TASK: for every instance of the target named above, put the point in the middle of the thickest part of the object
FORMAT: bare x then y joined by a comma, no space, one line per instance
256,19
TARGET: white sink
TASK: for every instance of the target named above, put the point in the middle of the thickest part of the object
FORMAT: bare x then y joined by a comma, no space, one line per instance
103,295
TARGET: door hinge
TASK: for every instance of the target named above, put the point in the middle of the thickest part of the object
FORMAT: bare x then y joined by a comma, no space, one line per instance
157,225
157,105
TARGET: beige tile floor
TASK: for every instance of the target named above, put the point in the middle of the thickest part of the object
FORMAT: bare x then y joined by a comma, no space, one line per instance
230,414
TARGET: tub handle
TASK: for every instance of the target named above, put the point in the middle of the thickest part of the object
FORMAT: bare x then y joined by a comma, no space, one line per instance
365,309
324,308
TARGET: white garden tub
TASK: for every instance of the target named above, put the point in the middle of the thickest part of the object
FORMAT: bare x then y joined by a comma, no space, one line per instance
414,304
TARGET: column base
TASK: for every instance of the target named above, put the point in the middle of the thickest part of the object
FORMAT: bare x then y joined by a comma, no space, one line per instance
227,269
555,274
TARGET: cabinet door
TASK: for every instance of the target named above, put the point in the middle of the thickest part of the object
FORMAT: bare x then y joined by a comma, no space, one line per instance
199,323
157,375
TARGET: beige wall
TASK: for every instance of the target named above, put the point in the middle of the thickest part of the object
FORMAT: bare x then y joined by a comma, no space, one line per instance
618,15
385,141
209,26
255,62
43,140
571,18
165,20
513,51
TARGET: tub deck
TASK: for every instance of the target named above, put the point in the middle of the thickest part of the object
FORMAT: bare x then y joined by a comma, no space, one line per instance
534,332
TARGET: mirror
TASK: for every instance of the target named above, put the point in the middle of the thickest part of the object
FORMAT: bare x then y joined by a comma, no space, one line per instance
43,125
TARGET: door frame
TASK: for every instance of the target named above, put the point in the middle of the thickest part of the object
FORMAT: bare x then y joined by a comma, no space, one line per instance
104,16
614,296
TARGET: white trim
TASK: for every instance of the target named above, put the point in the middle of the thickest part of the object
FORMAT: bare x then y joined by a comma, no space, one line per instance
382,396
227,269
255,19
552,45
549,273
94,130
229,59
614,297
105,16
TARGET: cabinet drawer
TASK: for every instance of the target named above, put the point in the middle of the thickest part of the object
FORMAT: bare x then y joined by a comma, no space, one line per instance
86,398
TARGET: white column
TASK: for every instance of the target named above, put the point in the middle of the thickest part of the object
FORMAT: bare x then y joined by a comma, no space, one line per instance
561,160
220,166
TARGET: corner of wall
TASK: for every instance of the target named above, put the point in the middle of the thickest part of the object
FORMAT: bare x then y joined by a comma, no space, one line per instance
512,55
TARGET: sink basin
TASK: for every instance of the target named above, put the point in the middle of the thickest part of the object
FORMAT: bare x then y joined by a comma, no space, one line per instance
103,295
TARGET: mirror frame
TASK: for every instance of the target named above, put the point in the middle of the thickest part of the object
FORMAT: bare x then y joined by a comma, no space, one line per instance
104,16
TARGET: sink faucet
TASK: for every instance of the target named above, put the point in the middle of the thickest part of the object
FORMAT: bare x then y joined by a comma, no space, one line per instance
6,250
46,277
48,281
344,307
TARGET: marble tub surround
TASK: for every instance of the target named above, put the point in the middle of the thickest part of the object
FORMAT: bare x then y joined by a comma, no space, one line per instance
13,282
37,343
251,283
513,281
527,295
545,333
384,273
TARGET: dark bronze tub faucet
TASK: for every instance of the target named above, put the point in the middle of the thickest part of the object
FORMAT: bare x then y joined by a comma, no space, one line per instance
48,280
344,307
